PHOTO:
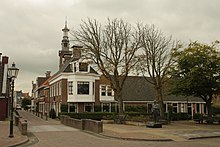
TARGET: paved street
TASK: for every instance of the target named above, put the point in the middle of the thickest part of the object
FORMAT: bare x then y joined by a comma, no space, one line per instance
51,133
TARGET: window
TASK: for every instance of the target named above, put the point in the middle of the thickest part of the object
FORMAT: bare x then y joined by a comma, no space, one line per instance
50,91
74,67
197,108
60,85
57,89
93,88
83,88
106,107
53,89
149,108
175,107
70,89
83,67
88,107
72,107
189,109
109,91
103,90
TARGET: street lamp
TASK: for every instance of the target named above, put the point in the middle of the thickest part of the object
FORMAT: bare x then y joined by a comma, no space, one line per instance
12,75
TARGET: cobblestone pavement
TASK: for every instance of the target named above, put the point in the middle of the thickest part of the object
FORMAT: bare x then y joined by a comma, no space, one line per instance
177,131
4,133
51,133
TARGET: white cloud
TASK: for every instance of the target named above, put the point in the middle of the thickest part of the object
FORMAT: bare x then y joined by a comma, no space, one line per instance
30,32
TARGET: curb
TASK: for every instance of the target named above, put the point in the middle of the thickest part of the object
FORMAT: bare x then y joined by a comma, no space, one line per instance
203,137
138,139
124,138
19,143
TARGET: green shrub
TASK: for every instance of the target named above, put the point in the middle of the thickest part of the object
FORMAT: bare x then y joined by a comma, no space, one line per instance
64,108
137,114
89,115
197,116
178,116
215,110
105,115
136,108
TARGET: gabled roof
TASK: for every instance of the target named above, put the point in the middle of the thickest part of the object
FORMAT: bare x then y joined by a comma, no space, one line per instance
40,80
46,83
67,69
138,89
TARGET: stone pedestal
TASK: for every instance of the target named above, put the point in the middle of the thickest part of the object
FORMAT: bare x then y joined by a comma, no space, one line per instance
154,125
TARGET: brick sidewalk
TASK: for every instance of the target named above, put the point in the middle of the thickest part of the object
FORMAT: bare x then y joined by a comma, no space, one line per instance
4,133
177,131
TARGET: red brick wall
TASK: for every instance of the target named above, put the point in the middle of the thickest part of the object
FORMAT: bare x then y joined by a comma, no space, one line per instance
3,109
97,92
64,91
80,107
3,101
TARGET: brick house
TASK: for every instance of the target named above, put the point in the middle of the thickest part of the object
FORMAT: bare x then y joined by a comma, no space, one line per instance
82,89
4,96
39,89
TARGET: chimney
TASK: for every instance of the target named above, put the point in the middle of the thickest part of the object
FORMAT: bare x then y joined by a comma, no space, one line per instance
4,60
77,51
0,58
48,74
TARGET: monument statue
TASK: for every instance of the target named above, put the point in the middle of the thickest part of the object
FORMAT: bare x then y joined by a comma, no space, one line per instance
156,111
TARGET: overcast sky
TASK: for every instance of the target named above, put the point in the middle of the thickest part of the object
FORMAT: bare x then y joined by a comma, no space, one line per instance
30,30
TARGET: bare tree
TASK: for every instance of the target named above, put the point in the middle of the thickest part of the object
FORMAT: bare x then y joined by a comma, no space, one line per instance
156,59
112,48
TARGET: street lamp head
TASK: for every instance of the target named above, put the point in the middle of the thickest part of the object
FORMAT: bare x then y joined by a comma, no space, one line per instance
13,71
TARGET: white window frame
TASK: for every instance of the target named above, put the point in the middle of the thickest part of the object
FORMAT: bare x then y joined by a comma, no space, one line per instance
83,82
70,87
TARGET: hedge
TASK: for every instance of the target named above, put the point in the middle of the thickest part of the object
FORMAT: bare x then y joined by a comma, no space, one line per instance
215,110
101,115
142,109
89,115
178,116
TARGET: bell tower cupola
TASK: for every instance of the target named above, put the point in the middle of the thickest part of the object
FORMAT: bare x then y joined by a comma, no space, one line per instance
65,41
64,54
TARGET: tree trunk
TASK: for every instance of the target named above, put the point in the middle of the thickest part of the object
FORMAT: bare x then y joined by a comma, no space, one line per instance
160,101
120,119
161,109
209,107
118,97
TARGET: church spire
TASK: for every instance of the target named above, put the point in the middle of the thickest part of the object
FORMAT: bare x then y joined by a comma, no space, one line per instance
65,54
65,40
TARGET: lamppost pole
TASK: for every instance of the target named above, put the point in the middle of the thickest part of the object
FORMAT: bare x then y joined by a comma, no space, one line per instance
12,75
12,108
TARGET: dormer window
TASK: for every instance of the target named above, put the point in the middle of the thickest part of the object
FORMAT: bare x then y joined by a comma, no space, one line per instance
83,67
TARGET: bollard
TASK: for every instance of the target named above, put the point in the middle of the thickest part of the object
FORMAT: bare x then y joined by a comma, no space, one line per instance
24,127
46,116
17,120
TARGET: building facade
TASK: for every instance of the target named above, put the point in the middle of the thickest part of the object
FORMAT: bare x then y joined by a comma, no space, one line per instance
78,86
4,88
